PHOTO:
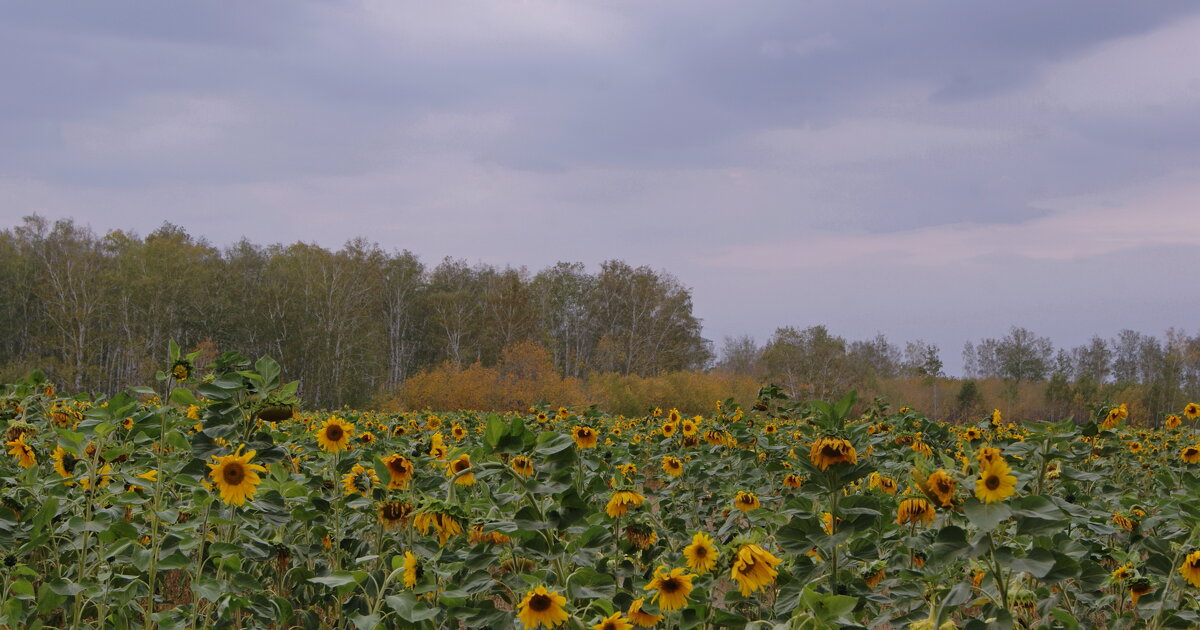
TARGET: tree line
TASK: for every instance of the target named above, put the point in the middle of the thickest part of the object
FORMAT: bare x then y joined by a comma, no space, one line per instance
97,311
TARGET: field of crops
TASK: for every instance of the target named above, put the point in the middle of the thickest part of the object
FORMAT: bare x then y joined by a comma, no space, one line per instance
211,501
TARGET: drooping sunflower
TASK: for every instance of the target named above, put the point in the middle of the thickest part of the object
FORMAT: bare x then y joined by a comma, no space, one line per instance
874,579
621,501
1173,422
411,570
988,456
942,486
459,469
672,466
886,484
701,555
995,483
615,621
394,514
359,480
1124,522
793,481
447,526
437,447
1191,411
1191,454
584,436
916,510
640,617
64,464
22,452
400,471
1190,569
542,608
830,451
1138,588
334,435
235,477
746,501
671,589
753,568
522,466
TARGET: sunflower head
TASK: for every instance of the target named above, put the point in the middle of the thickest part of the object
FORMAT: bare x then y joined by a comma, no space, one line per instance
334,435
235,477
830,451
542,607
522,466
672,466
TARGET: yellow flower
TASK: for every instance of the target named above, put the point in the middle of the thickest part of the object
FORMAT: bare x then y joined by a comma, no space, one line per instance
671,589
916,510
64,464
400,471
621,501
1190,569
753,568
996,419
437,448
1137,589
615,621
523,466
335,434
360,479
886,484
542,608
1173,422
827,523
1121,572
793,481
672,466
585,437
941,485
829,451
995,483
22,452
701,555
393,514
1192,411
235,477
410,570
1191,454
461,465
636,614
746,501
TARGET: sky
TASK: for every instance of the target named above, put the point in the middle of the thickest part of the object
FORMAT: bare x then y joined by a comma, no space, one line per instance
936,170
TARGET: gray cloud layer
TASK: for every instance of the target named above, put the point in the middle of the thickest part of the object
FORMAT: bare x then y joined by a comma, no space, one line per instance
928,169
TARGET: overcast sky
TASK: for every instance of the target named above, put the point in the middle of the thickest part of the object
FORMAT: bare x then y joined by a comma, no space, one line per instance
925,169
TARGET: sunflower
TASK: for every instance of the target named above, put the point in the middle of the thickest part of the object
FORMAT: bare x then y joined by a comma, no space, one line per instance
689,428
400,469
394,514
542,608
873,579
673,416
668,429
886,484
942,486
753,568
916,510
1173,422
458,432
671,589
615,621
522,466
1137,589
235,477
1190,569
563,412
411,570
1191,411
1120,573
360,479
541,417
995,483
972,434
827,523
460,470
672,466
437,448
829,451
793,481
335,434
746,501
181,370
1124,522
627,469
22,452
639,616
641,536
1135,447
921,447
1191,454
996,418
701,554
585,437
621,501
64,464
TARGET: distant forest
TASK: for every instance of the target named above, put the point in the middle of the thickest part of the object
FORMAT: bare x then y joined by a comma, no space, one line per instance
362,326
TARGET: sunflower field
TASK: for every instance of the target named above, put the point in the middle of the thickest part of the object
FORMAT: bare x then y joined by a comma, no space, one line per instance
213,500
